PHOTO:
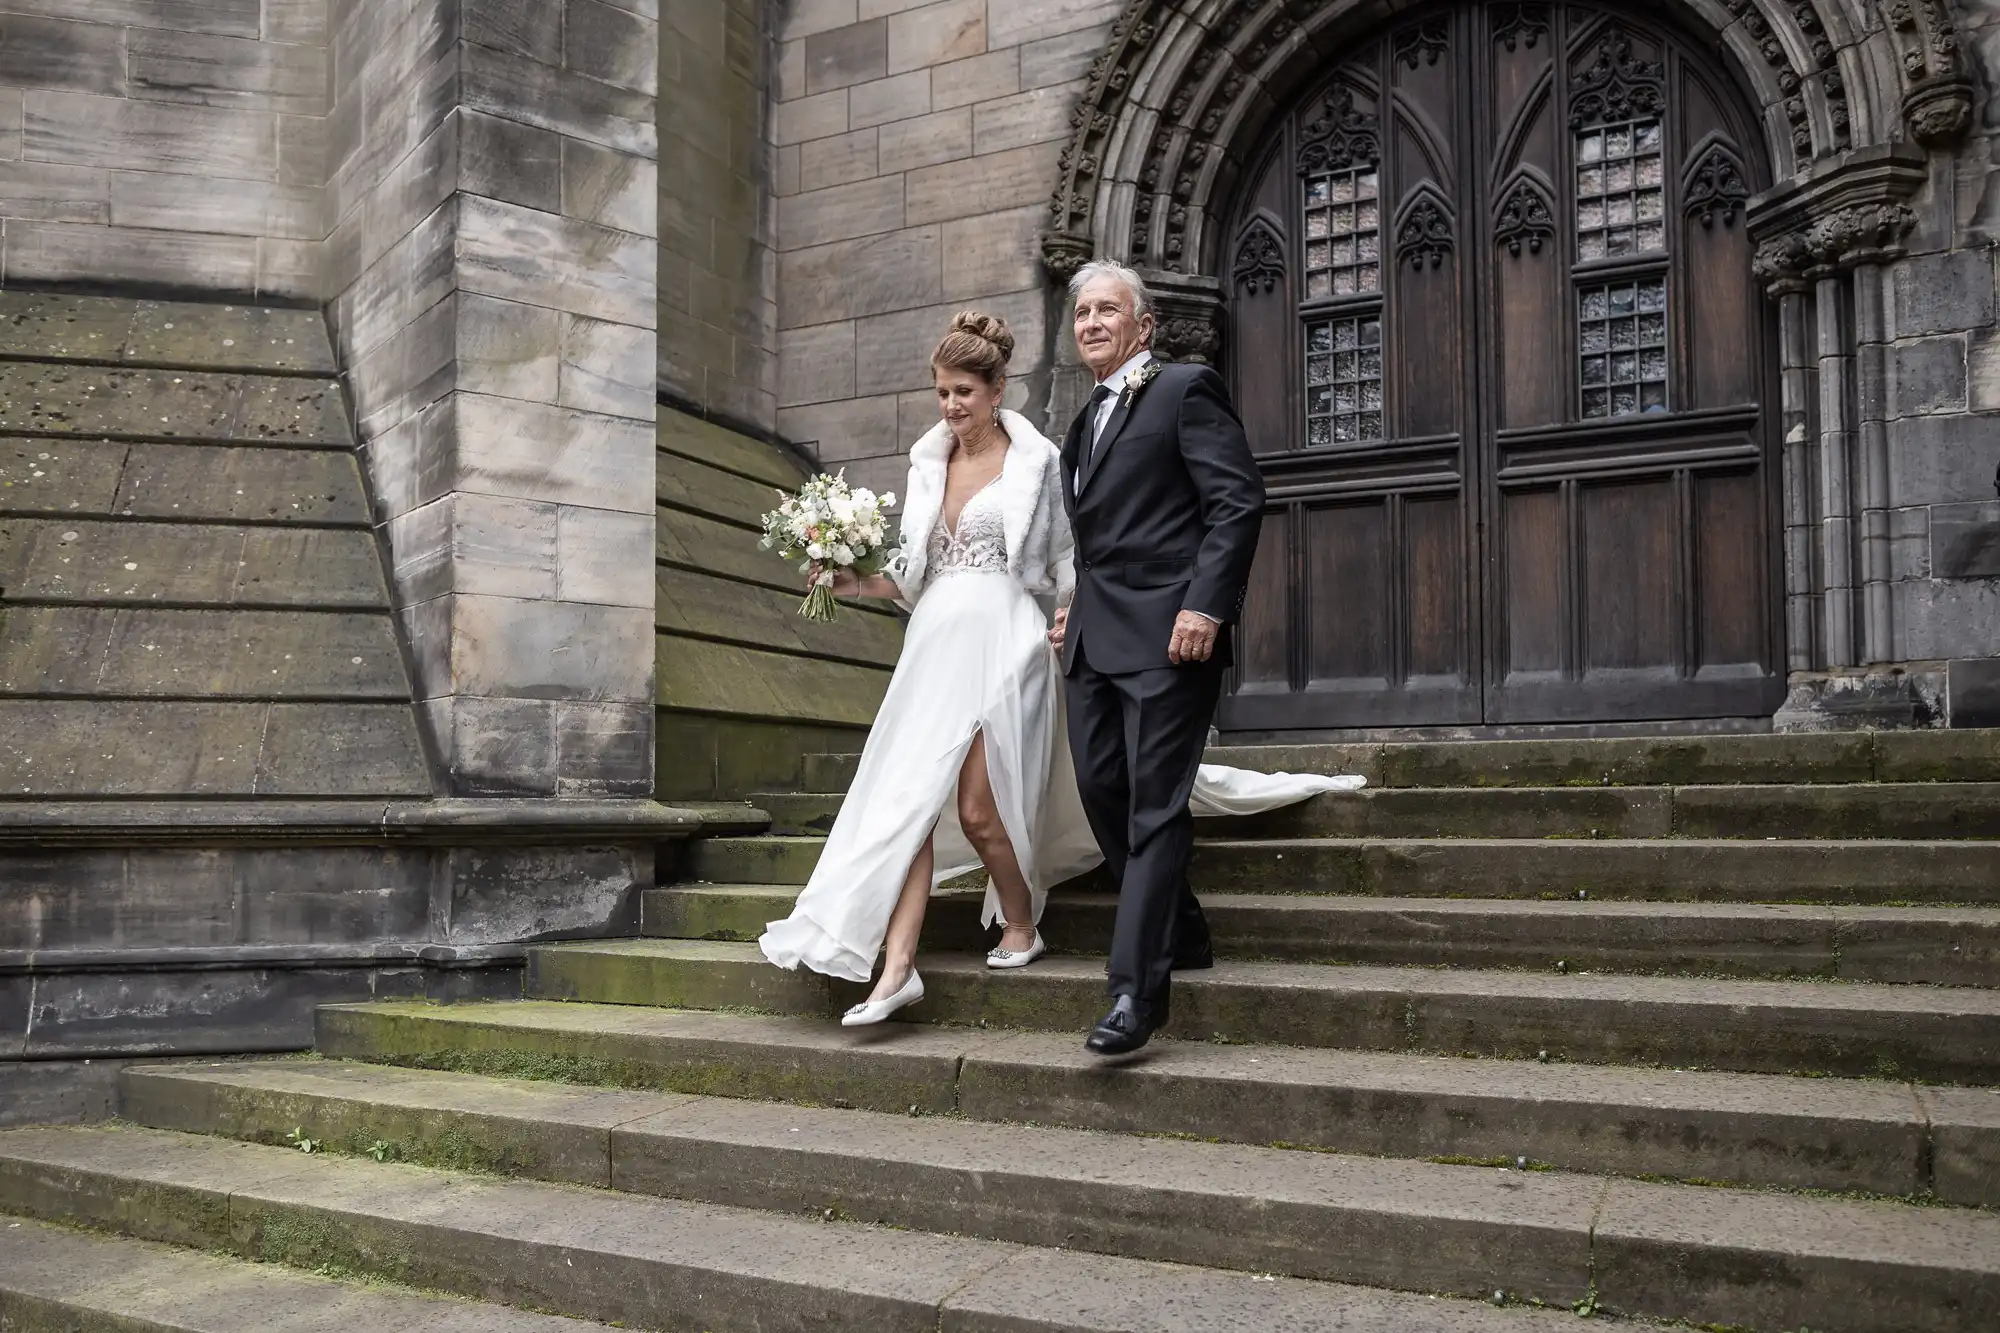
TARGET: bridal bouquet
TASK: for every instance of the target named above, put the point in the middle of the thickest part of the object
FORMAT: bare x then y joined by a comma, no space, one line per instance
829,526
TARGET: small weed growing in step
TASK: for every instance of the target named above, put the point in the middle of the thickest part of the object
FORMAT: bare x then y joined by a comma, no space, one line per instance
298,1140
1587,1307
383,1151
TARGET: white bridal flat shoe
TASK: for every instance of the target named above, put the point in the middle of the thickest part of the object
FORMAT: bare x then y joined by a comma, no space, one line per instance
1003,959
874,1011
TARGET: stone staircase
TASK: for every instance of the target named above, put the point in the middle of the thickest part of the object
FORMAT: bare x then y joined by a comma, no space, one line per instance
1651,1029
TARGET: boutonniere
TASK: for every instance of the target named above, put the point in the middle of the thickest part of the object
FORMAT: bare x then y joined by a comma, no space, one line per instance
1138,380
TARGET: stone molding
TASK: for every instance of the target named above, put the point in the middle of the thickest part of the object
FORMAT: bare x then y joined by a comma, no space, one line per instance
1189,323
1846,213
1181,85
1937,91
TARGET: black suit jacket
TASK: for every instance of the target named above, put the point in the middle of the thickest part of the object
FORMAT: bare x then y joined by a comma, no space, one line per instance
1166,518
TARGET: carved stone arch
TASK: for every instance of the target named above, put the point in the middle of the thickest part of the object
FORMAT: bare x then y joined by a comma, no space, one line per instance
1426,229
1715,182
1525,219
1183,86
1937,89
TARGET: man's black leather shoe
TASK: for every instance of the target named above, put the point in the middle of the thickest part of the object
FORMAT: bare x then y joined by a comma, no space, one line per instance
1125,1029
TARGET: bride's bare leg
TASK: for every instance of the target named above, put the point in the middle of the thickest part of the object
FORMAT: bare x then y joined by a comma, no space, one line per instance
906,923
979,816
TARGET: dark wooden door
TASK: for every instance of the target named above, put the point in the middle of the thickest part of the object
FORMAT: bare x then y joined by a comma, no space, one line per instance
1495,336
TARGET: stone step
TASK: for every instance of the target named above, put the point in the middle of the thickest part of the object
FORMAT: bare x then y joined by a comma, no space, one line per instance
1834,757
111,330
646,1262
80,1282
1946,946
1754,1129
1860,810
1681,869
1386,1223
1946,1035
40,398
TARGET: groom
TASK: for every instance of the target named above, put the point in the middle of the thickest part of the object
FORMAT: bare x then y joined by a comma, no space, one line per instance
1166,503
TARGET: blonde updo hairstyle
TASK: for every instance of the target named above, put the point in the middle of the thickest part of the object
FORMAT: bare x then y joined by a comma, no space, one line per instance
978,345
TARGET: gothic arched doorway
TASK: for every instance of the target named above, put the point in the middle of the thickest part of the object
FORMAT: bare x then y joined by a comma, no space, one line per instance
1493,328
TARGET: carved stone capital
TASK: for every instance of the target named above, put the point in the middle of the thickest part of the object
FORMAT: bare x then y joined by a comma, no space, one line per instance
1188,309
1847,212
1063,254
1939,111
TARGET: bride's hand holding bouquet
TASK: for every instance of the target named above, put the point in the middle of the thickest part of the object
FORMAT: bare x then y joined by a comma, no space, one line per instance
839,534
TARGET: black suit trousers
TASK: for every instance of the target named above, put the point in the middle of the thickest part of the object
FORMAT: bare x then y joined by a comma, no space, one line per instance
1137,739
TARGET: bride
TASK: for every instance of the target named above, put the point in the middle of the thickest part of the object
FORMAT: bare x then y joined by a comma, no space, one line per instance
967,763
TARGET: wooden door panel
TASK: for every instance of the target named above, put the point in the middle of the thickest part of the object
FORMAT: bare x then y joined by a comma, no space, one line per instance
1732,605
1433,553
1347,596
1535,539
1264,635
1626,566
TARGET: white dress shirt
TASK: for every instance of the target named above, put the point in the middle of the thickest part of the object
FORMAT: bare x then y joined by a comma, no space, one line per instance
1116,383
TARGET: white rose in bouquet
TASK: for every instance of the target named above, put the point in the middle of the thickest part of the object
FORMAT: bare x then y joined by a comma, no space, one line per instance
830,528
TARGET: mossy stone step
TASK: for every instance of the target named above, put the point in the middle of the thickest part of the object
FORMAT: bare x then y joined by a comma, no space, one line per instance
54,1279
1945,1035
1949,946
1856,810
1651,761
1819,1133
111,330
1384,1222
1676,869
653,1263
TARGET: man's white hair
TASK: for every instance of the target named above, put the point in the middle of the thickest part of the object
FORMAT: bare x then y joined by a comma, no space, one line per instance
1142,300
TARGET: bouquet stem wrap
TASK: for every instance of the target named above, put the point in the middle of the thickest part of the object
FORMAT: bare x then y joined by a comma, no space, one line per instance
831,528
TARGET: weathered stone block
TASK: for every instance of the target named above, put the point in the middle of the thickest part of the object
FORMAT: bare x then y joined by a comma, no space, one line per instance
936,34
504,159
58,251
710,491
560,651
705,442
525,255
607,368
533,451
222,71
1029,19
979,185
893,351
733,681
816,365
1943,293
1965,541
993,252
601,557
1061,58
1036,116
835,432
1942,459
924,141
52,53
53,192
811,118
838,160
820,216
1940,619
895,98
841,57
531,30
520,89
220,566
604,750
715,608
610,188
610,43
1927,375
507,349
207,142
871,276
496,747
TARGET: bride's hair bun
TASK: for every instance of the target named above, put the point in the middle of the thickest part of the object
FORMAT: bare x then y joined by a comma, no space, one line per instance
979,344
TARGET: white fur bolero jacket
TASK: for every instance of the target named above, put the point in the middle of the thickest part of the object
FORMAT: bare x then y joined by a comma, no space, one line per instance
1041,552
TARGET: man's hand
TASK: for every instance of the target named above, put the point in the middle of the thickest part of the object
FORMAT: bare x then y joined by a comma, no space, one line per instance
1194,638
1062,623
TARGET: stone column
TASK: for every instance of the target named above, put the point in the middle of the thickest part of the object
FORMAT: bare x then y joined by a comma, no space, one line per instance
1871,335
1798,400
496,300
1836,485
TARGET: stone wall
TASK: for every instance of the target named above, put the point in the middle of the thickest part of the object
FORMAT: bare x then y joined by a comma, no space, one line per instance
916,146
493,168
178,145
718,309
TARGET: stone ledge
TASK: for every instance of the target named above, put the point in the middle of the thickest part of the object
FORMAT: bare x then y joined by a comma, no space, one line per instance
489,822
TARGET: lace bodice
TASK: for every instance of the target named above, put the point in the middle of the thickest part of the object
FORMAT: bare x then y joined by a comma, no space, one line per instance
980,544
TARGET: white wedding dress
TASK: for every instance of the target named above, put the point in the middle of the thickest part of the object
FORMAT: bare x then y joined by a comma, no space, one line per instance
976,658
